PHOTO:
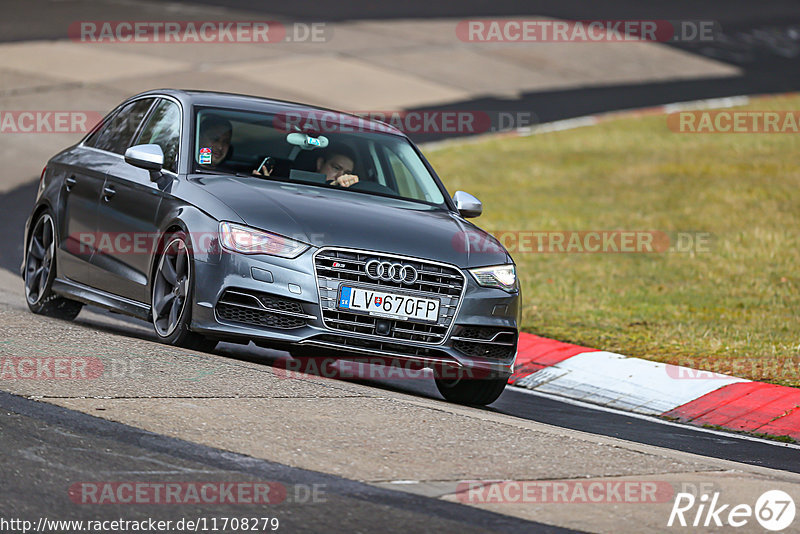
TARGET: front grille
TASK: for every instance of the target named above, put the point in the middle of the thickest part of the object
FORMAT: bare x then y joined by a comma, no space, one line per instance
261,309
478,350
434,281
485,342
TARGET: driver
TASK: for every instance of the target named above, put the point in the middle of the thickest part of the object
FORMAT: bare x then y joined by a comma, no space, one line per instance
336,163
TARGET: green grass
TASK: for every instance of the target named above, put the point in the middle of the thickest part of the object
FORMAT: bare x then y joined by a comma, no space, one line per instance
733,309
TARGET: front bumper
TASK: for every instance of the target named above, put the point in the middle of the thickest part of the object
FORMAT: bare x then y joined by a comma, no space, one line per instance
276,302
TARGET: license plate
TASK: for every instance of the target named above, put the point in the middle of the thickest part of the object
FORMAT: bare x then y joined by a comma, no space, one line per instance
389,305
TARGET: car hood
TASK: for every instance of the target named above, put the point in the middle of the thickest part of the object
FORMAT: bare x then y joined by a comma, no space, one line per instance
331,217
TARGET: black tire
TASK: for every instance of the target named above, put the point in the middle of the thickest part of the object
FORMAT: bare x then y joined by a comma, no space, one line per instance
172,294
40,271
471,391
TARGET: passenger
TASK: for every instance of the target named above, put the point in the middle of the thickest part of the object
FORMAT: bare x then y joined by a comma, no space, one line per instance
215,133
336,163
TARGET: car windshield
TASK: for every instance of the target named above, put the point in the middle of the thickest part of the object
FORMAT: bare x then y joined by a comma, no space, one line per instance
302,147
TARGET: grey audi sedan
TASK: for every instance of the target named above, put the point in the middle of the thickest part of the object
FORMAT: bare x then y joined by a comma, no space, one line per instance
220,217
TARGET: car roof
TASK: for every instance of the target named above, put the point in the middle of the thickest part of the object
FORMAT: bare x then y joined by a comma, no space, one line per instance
192,97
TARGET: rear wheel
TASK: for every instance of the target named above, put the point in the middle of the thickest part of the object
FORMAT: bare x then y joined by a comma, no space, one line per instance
173,286
471,391
40,271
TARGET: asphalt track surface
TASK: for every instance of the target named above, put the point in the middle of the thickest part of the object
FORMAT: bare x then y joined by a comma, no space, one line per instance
766,69
75,446
726,446
762,39
733,14
521,404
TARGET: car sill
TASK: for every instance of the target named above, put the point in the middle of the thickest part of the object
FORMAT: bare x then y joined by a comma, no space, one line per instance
96,297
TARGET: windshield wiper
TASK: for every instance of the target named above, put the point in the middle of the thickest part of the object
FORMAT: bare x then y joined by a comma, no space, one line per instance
229,173
210,171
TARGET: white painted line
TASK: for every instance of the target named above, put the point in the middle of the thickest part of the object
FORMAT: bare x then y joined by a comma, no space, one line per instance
559,126
711,103
581,404
591,120
630,384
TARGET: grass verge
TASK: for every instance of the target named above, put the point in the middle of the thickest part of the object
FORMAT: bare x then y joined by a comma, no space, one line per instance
730,306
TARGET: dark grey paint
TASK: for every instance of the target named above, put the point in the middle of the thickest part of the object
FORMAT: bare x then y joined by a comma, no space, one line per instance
113,196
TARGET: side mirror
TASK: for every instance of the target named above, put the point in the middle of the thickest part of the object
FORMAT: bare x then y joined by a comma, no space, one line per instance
467,205
148,157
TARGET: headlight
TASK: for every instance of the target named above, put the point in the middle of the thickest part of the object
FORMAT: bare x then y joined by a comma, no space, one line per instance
501,276
251,241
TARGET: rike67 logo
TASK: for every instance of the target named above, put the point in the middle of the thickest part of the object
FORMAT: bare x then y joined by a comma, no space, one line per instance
774,510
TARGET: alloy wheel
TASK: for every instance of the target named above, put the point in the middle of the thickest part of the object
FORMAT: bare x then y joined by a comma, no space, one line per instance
171,287
41,250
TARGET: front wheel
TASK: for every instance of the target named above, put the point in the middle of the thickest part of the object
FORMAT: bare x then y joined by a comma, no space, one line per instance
173,285
40,271
471,391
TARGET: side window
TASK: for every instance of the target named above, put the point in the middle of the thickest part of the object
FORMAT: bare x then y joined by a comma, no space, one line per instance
380,177
163,128
409,172
406,184
115,136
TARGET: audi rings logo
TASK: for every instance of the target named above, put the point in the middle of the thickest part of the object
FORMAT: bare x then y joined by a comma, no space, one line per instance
391,272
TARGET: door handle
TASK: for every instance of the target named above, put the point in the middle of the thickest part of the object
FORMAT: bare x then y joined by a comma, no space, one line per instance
70,182
108,192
